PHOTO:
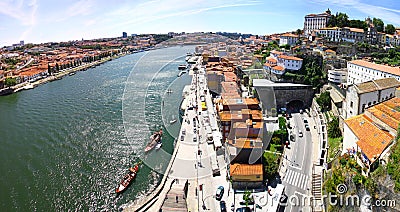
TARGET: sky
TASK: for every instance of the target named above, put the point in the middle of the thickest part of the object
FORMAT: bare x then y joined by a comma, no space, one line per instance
39,21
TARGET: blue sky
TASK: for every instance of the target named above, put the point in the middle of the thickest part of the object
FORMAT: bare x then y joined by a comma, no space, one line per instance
37,21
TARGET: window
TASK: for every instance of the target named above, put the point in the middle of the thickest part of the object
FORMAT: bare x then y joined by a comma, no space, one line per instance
351,104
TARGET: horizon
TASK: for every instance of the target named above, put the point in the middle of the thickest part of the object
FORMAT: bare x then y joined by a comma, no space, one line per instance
42,21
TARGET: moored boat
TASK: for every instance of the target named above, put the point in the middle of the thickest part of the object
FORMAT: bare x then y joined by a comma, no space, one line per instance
155,138
158,146
126,181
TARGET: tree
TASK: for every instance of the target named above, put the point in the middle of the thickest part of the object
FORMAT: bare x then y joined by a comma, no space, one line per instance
389,29
342,20
10,82
299,31
270,164
324,100
378,23
248,198
334,129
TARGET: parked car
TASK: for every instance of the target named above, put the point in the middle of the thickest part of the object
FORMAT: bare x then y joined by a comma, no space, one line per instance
301,111
300,134
307,127
219,193
194,139
243,209
305,121
222,205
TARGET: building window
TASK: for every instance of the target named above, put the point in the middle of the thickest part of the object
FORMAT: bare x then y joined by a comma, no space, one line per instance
351,104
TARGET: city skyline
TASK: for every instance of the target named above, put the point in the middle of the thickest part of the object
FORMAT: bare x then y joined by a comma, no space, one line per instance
38,21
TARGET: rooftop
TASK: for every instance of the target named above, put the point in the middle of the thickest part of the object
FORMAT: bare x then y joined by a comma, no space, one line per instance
372,140
246,143
378,67
286,57
246,169
375,85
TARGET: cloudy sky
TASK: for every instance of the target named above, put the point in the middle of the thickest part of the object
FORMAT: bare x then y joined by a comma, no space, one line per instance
36,21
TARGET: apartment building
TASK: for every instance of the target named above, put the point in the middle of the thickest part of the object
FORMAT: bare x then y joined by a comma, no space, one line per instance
361,71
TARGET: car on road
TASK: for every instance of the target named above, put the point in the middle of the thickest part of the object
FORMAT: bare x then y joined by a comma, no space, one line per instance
301,111
195,139
194,130
300,134
291,137
243,209
219,193
307,127
305,121
222,205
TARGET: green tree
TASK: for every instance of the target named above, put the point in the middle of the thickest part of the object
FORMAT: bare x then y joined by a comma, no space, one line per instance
248,198
299,31
270,164
378,23
324,101
389,29
333,128
10,82
342,20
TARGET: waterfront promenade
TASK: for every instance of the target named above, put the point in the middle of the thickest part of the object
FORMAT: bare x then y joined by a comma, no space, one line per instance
190,164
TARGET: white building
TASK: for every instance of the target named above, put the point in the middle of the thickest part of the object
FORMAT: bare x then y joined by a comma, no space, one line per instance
331,33
313,22
364,95
361,71
278,63
288,38
337,76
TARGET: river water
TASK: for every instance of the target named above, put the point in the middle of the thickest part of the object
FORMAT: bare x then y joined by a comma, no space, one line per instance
66,144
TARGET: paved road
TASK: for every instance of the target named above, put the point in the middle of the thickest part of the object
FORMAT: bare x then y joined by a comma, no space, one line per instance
297,178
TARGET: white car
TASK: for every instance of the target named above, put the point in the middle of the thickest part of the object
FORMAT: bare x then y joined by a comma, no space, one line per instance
300,134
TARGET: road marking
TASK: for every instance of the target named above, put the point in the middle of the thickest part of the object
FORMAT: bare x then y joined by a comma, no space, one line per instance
296,179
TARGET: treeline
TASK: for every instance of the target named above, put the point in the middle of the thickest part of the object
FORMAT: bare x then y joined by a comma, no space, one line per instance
342,20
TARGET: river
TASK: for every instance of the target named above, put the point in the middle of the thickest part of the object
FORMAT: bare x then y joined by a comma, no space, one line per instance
66,144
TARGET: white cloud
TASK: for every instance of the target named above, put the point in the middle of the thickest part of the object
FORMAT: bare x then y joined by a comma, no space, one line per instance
24,12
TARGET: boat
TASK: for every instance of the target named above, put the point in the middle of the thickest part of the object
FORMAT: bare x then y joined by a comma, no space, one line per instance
172,121
71,74
158,146
182,67
126,181
29,86
155,138
181,73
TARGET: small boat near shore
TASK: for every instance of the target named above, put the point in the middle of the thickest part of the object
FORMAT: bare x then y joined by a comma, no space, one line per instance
181,73
172,121
182,67
159,145
155,138
71,74
126,181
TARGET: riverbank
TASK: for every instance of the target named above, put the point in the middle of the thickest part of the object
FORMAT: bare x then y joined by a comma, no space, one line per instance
59,75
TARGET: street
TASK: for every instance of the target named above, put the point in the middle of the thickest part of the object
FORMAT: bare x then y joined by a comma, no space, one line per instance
298,162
